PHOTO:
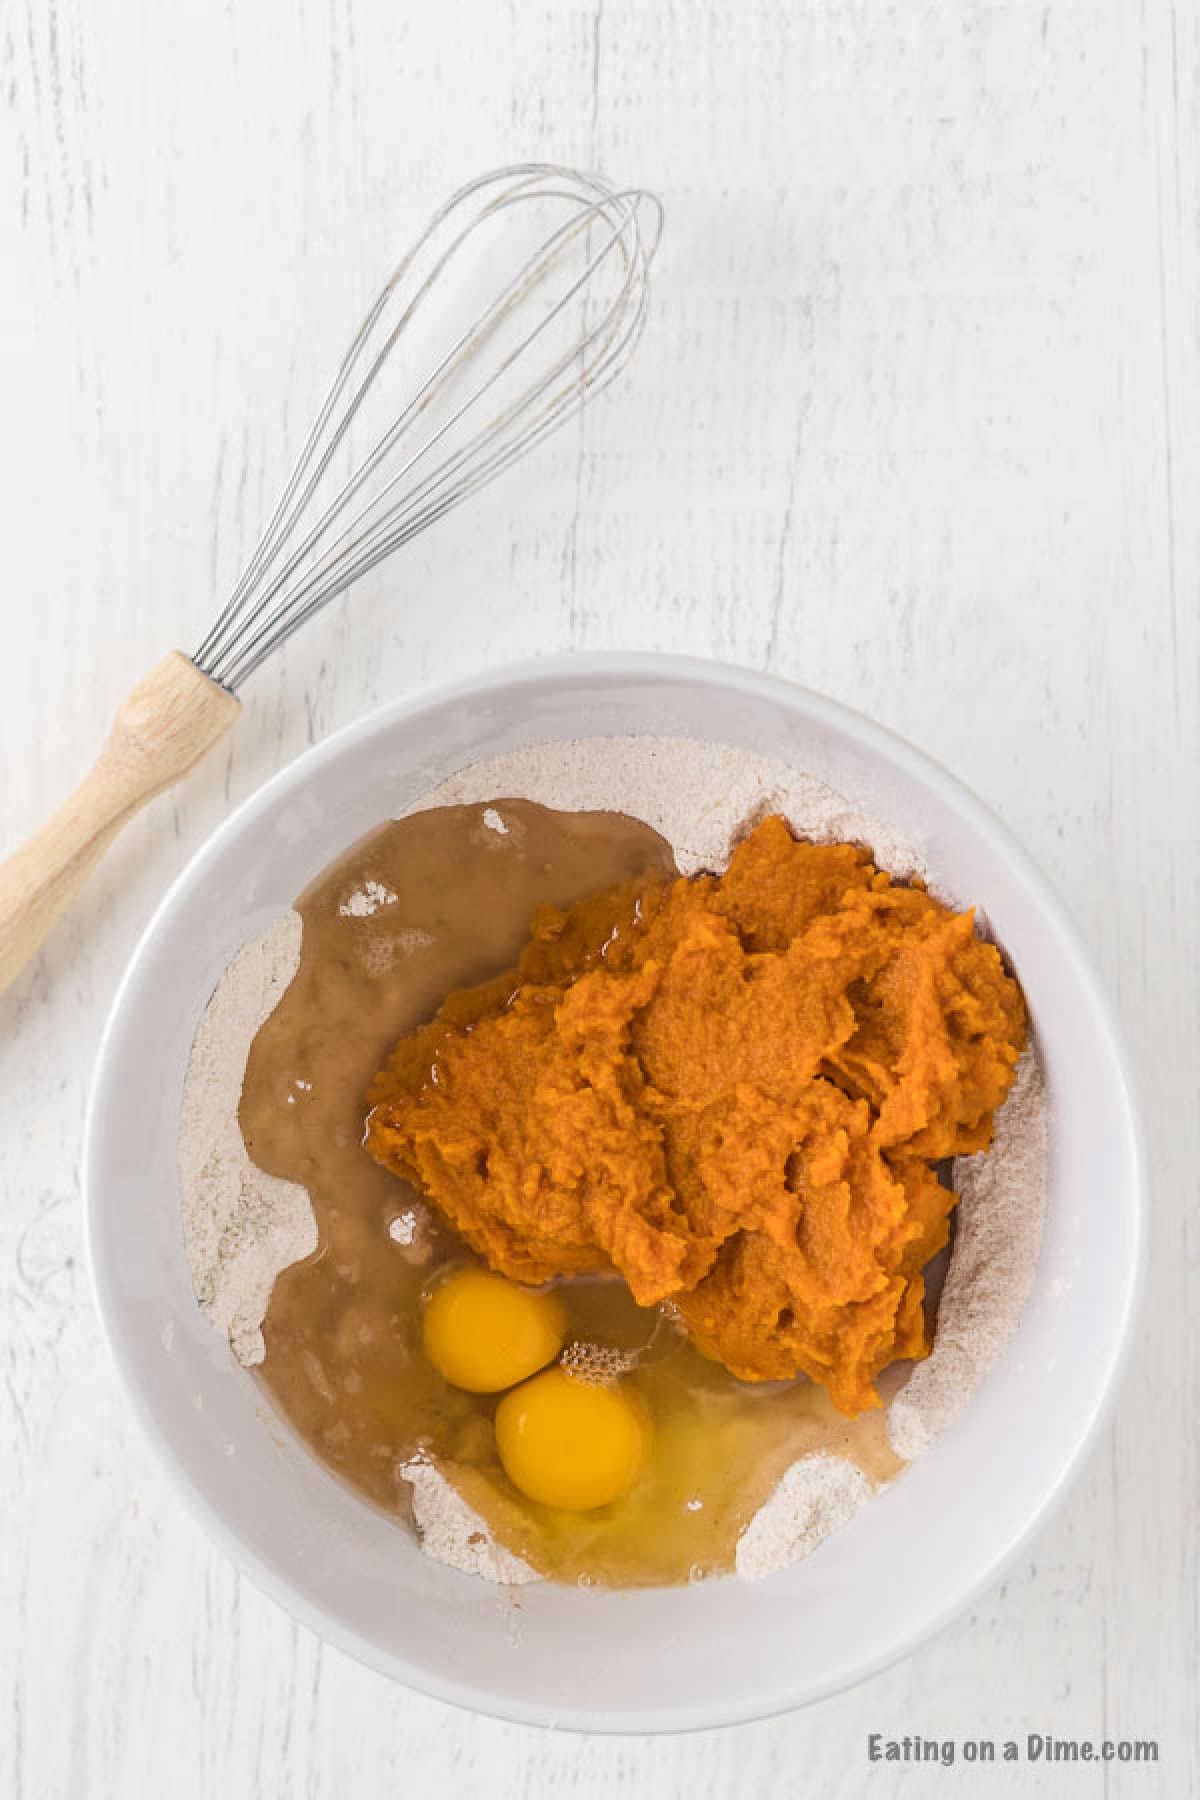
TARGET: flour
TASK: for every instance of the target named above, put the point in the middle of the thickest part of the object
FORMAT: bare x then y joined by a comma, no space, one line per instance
700,797
451,1532
365,901
815,1496
996,1242
242,1226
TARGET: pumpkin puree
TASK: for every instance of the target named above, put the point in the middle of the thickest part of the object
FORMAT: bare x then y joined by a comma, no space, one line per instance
732,1090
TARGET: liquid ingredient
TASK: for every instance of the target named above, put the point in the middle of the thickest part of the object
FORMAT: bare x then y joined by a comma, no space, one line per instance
732,1090
453,894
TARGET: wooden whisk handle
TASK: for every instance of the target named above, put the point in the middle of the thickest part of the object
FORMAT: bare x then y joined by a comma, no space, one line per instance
165,726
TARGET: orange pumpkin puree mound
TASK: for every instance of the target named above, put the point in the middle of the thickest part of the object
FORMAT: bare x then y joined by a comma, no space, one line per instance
731,1090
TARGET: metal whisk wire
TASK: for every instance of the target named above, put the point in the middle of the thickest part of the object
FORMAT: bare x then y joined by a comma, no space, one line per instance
283,587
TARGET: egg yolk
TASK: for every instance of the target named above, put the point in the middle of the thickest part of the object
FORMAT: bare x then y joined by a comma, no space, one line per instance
484,1333
572,1444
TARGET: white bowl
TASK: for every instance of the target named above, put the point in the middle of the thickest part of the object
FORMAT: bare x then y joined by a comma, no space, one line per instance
654,1660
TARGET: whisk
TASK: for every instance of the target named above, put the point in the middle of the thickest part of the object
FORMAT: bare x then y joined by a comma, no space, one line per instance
568,256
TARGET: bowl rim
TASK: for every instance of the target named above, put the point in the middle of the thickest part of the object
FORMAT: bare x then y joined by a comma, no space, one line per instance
891,748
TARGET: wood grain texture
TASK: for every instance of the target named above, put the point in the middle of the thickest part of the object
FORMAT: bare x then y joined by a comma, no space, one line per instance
917,422
172,718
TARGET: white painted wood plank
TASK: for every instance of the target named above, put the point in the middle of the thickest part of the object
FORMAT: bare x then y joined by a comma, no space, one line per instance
917,421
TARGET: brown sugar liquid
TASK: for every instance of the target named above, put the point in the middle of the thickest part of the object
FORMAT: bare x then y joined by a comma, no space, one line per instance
437,901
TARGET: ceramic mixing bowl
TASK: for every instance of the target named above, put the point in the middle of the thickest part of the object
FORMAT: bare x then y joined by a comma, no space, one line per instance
649,1660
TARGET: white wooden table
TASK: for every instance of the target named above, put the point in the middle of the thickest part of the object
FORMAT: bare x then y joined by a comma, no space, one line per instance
917,422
